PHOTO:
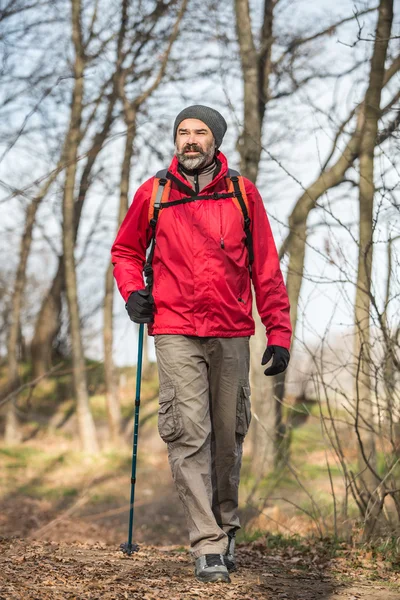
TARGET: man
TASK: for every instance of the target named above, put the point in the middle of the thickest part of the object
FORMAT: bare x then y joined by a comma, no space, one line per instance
198,303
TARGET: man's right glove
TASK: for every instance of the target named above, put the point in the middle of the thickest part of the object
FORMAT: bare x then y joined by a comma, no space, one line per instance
280,361
140,306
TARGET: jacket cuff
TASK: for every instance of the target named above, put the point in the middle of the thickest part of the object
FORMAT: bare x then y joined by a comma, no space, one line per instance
277,339
127,291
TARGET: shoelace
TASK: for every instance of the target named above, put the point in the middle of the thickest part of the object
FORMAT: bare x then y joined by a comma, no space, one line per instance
214,560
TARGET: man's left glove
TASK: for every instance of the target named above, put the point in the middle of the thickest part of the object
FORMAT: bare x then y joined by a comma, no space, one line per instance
140,306
280,360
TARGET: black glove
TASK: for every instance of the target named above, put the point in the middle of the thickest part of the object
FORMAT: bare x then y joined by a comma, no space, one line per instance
140,306
280,360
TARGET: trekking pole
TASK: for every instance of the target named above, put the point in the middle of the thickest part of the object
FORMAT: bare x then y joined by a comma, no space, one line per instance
128,547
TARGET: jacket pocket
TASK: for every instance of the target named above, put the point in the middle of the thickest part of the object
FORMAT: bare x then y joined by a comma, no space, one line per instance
169,418
242,289
158,277
243,411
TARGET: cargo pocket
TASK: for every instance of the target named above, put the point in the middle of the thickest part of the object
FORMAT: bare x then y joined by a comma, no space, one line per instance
243,411
169,417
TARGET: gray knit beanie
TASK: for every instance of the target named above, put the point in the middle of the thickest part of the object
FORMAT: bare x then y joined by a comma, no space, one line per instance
212,118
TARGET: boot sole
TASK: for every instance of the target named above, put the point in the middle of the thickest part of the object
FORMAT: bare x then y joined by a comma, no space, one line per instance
214,578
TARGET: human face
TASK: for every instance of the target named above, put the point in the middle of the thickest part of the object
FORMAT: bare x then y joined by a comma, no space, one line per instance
194,144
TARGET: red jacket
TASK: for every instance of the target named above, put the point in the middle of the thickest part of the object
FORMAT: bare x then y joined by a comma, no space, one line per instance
201,278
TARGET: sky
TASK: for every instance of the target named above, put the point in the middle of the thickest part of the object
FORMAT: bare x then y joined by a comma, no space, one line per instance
323,305
298,135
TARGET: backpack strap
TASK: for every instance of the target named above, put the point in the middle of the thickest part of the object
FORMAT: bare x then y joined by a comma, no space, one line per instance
236,186
161,189
232,190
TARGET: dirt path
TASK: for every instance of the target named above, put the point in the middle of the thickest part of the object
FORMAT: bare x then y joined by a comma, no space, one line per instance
34,570
50,550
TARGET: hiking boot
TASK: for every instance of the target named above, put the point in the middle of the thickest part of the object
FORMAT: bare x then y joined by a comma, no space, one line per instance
211,567
229,556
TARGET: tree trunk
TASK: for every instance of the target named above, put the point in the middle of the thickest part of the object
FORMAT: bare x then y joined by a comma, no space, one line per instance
367,449
262,432
48,324
12,433
85,420
249,143
113,408
256,69
389,366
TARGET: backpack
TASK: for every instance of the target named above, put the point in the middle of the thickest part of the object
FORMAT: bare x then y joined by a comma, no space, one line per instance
160,201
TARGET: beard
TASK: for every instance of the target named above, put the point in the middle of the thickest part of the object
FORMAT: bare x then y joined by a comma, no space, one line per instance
198,162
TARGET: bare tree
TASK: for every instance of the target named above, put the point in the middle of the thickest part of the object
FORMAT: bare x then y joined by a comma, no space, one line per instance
367,449
85,420
131,107
330,177
373,407
22,22
267,79
48,320
256,69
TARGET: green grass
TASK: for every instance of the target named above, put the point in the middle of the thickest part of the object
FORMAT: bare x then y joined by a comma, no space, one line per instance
307,439
249,536
120,461
309,471
21,453
16,459
281,542
384,462
98,406
375,559
106,498
285,479
387,549
282,479
45,492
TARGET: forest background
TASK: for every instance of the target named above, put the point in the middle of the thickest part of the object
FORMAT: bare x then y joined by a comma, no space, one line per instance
89,90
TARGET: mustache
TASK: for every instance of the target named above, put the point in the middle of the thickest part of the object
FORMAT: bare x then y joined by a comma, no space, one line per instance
192,148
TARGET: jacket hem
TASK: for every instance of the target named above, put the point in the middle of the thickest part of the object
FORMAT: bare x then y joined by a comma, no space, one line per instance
192,332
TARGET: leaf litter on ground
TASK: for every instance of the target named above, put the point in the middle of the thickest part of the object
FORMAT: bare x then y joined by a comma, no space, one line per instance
45,570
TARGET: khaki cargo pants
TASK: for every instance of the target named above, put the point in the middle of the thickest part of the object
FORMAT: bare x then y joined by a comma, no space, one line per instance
204,414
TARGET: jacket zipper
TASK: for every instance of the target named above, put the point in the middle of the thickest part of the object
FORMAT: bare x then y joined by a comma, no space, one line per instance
196,182
221,237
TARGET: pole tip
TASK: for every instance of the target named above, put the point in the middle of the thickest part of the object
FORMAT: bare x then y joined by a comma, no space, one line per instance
129,549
